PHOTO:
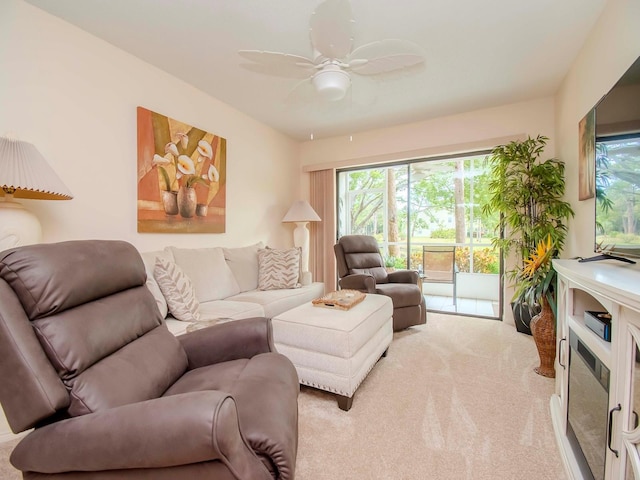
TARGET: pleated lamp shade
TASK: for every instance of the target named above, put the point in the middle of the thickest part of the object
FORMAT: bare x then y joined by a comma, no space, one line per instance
301,211
25,173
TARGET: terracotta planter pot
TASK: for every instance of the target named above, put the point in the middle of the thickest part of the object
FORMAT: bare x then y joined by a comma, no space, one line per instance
187,202
544,334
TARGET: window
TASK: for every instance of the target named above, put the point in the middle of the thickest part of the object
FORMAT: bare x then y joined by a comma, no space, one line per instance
428,202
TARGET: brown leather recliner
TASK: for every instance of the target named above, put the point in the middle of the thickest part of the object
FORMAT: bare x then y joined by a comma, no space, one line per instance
360,267
112,394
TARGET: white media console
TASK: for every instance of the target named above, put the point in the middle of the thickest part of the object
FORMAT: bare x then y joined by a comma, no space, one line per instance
598,434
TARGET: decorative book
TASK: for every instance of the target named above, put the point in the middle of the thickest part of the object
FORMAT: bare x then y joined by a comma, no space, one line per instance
342,299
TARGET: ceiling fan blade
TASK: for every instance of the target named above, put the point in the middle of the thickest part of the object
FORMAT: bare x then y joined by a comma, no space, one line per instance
277,64
285,71
385,56
390,63
276,58
382,48
331,28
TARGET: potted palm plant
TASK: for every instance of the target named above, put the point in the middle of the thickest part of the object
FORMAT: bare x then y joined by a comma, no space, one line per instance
528,194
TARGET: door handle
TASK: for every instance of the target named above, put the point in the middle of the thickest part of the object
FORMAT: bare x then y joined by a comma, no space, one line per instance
560,353
618,408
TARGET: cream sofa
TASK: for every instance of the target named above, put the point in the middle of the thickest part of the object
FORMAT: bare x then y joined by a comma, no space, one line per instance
225,283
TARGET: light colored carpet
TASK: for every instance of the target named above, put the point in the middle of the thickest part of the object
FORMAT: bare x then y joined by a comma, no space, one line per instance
454,399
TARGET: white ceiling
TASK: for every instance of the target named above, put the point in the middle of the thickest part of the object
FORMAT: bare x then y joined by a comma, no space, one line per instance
478,54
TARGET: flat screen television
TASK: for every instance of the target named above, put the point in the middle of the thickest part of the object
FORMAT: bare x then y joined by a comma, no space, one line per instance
617,167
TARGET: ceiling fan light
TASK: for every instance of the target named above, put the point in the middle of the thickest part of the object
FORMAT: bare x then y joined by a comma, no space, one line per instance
332,83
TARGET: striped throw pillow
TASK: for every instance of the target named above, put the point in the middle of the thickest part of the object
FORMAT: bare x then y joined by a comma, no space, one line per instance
177,290
278,269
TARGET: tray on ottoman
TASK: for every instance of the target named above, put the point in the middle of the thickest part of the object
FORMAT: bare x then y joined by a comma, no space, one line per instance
332,349
342,299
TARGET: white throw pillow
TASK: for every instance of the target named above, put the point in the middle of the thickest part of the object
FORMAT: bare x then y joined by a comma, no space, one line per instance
149,259
278,268
206,267
177,290
243,263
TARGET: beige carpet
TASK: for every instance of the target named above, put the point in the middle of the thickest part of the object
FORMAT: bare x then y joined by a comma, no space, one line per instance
454,399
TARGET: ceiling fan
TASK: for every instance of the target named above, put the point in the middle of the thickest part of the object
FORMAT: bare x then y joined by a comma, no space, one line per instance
333,61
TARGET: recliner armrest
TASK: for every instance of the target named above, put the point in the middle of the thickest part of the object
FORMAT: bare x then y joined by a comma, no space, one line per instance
163,432
359,281
403,276
243,338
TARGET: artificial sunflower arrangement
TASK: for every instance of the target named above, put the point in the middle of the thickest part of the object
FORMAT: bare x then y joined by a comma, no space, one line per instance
536,280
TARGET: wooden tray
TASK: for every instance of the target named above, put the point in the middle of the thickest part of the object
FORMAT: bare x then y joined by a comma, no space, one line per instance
341,300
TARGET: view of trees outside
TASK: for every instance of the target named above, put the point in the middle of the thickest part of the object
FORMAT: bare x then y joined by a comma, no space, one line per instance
617,191
414,204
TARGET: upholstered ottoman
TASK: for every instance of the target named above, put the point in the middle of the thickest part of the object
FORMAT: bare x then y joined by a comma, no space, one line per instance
332,349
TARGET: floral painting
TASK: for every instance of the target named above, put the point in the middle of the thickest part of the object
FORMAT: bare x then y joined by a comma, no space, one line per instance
181,177
587,156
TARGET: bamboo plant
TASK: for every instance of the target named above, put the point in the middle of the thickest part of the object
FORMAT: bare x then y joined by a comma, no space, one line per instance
528,194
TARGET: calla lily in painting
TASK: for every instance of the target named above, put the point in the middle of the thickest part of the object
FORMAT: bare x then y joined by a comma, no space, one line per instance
186,165
213,174
183,138
204,149
171,148
158,160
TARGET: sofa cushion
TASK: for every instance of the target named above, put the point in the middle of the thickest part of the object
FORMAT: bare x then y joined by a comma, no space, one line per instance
379,273
402,294
79,337
149,259
177,290
229,309
243,262
141,370
206,267
217,311
278,268
67,284
176,327
274,302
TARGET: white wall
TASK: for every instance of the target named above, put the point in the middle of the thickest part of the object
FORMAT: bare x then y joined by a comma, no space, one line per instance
452,134
75,97
610,49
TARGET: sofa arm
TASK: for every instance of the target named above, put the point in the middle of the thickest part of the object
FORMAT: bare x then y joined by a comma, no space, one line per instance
403,276
243,338
359,281
163,432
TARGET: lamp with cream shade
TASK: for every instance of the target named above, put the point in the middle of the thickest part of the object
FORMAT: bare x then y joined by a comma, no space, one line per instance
301,213
24,173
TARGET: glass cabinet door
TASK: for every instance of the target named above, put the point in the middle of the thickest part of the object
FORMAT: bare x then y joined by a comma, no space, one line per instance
631,434
562,355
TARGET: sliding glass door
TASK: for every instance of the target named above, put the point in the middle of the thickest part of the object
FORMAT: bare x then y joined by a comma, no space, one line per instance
420,210
373,201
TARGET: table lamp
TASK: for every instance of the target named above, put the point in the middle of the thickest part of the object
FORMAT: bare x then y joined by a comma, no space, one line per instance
301,213
24,173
